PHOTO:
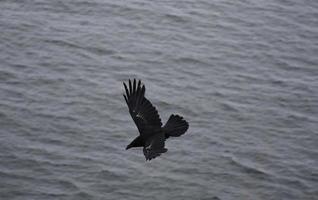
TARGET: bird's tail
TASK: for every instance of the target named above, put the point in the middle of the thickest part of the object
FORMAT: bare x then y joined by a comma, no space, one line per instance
175,126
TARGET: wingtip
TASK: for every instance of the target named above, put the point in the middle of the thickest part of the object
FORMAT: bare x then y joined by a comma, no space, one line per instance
134,85
134,81
130,88
125,98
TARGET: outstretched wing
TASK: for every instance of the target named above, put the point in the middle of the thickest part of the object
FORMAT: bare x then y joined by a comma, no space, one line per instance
155,146
141,110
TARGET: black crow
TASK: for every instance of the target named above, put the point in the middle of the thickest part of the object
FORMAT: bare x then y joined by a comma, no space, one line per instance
152,134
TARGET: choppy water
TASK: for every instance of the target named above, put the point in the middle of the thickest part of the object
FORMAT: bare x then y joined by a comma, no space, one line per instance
243,73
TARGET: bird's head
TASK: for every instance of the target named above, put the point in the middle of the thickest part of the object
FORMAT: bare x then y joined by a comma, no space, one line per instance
137,142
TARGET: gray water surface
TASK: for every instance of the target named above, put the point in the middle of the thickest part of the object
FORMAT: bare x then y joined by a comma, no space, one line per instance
243,73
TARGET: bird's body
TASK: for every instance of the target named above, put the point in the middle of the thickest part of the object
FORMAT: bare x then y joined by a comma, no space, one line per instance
152,134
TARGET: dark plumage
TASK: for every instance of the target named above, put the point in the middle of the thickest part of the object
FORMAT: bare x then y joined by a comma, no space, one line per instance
152,134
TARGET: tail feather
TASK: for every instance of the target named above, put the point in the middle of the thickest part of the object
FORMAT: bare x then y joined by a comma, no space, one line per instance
175,126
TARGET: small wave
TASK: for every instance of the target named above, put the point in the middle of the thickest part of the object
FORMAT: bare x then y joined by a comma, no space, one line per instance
6,76
107,174
228,107
248,168
176,18
189,60
82,195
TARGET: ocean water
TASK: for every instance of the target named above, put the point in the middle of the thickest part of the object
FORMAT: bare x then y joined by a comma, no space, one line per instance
244,74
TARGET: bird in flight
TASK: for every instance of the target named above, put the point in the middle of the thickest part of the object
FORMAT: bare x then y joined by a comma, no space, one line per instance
152,134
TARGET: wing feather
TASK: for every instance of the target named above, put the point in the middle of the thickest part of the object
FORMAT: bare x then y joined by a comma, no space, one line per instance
141,110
